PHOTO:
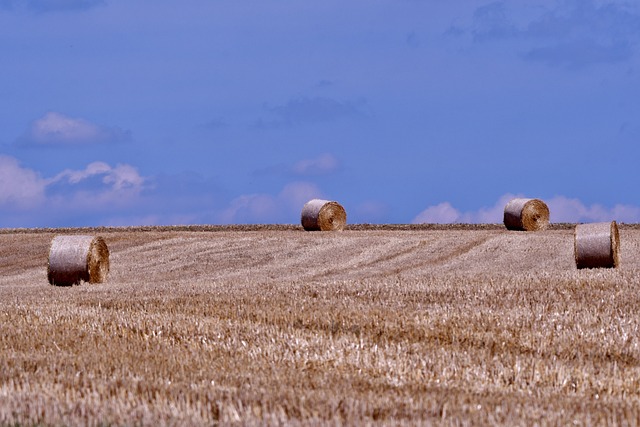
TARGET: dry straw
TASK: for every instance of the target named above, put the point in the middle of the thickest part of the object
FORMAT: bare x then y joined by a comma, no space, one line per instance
73,259
597,245
526,215
323,215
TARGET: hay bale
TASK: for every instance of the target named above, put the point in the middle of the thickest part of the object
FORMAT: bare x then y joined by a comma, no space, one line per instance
323,215
526,215
597,245
73,259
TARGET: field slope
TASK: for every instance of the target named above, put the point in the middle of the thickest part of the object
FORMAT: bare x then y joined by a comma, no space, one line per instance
255,325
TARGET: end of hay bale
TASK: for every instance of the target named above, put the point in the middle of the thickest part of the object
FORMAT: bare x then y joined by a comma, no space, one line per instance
597,245
323,215
526,215
75,259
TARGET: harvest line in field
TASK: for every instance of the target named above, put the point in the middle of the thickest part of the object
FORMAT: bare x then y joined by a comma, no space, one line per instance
280,227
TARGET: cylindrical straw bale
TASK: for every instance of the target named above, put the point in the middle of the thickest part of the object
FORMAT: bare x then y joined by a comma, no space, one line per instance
323,215
597,245
73,259
526,215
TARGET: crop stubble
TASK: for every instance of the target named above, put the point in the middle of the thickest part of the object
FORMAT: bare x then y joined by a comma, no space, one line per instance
451,326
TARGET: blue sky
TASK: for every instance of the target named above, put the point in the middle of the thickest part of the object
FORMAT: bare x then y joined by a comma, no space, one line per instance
217,111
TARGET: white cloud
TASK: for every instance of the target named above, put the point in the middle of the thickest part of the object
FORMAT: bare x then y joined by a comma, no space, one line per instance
124,177
68,193
263,208
20,188
113,188
561,209
445,213
120,177
57,129
323,164
76,176
442,213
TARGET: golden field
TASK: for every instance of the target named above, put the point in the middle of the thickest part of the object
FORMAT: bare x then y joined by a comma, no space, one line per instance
460,325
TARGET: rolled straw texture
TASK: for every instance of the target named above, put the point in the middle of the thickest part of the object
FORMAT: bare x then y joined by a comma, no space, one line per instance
526,215
73,259
323,215
597,245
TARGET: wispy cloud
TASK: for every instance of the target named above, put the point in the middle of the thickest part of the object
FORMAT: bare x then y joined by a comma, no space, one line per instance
580,53
63,5
492,22
325,83
561,209
324,164
607,20
310,110
284,207
321,165
580,33
55,129
216,123
45,6
20,188
118,178
572,33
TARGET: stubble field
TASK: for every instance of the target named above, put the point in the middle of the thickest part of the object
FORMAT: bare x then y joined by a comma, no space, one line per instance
270,325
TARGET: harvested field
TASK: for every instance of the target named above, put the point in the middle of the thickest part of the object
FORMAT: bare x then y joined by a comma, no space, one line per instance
375,324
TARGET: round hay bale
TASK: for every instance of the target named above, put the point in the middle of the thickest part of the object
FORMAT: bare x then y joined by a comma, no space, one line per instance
323,215
597,245
73,259
526,215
